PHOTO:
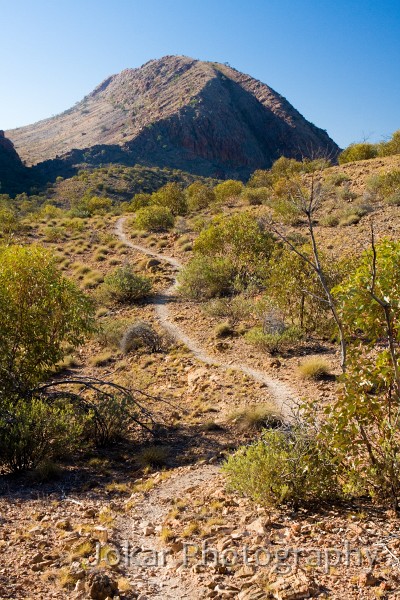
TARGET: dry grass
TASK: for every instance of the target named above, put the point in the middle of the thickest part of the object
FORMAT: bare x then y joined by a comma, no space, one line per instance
314,368
256,417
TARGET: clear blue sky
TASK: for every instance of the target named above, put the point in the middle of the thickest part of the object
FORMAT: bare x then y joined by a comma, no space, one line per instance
336,61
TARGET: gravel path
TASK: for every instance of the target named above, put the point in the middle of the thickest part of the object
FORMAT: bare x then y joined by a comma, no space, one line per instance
284,398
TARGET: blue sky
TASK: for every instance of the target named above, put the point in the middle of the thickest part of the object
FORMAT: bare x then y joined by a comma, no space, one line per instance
337,62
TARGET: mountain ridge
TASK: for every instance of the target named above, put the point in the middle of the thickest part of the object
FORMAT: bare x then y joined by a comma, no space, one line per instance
178,112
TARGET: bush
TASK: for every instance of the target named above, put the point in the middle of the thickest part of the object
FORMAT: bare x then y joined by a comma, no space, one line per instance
354,152
223,330
205,277
110,420
124,285
273,343
41,314
171,196
199,196
34,431
154,218
235,309
257,418
385,184
314,368
284,467
256,196
140,335
140,201
227,190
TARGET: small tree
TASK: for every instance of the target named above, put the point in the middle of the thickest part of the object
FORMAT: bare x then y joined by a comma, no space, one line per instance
172,197
228,189
199,196
41,311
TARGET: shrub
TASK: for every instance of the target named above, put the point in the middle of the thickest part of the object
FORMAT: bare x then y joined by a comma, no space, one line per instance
98,205
34,431
354,152
273,343
199,196
205,277
331,220
42,313
256,196
223,330
257,418
171,196
284,467
314,368
227,190
124,285
111,419
235,309
140,335
385,184
153,456
394,199
140,201
154,218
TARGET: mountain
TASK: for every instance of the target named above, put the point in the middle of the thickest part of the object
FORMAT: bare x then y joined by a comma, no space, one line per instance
14,176
177,112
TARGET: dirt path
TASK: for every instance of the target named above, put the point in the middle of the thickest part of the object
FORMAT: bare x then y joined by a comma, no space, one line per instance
164,582
283,396
160,580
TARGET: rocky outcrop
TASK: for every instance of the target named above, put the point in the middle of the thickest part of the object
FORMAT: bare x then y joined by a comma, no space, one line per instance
178,112
14,177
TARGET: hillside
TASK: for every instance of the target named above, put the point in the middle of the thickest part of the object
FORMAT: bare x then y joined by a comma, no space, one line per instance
14,177
202,117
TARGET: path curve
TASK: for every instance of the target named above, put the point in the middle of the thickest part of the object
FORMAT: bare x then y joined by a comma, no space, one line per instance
284,397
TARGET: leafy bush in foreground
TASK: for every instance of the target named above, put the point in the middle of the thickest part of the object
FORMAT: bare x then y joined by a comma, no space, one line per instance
284,467
124,285
205,277
154,218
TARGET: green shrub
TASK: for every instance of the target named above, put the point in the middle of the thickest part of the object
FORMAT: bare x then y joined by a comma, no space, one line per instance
227,190
331,220
385,184
394,199
314,368
172,197
354,152
124,285
140,201
206,277
199,196
154,218
34,431
256,196
41,313
235,309
273,343
111,419
284,467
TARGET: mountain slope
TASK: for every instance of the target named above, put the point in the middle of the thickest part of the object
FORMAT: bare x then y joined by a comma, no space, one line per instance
202,117
14,176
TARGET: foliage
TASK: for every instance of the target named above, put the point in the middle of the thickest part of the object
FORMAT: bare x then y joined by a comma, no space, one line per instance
362,424
295,289
240,238
273,342
227,189
124,285
154,218
257,418
256,196
385,184
199,196
362,151
206,277
33,431
284,467
235,308
98,205
172,197
390,147
140,201
41,312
